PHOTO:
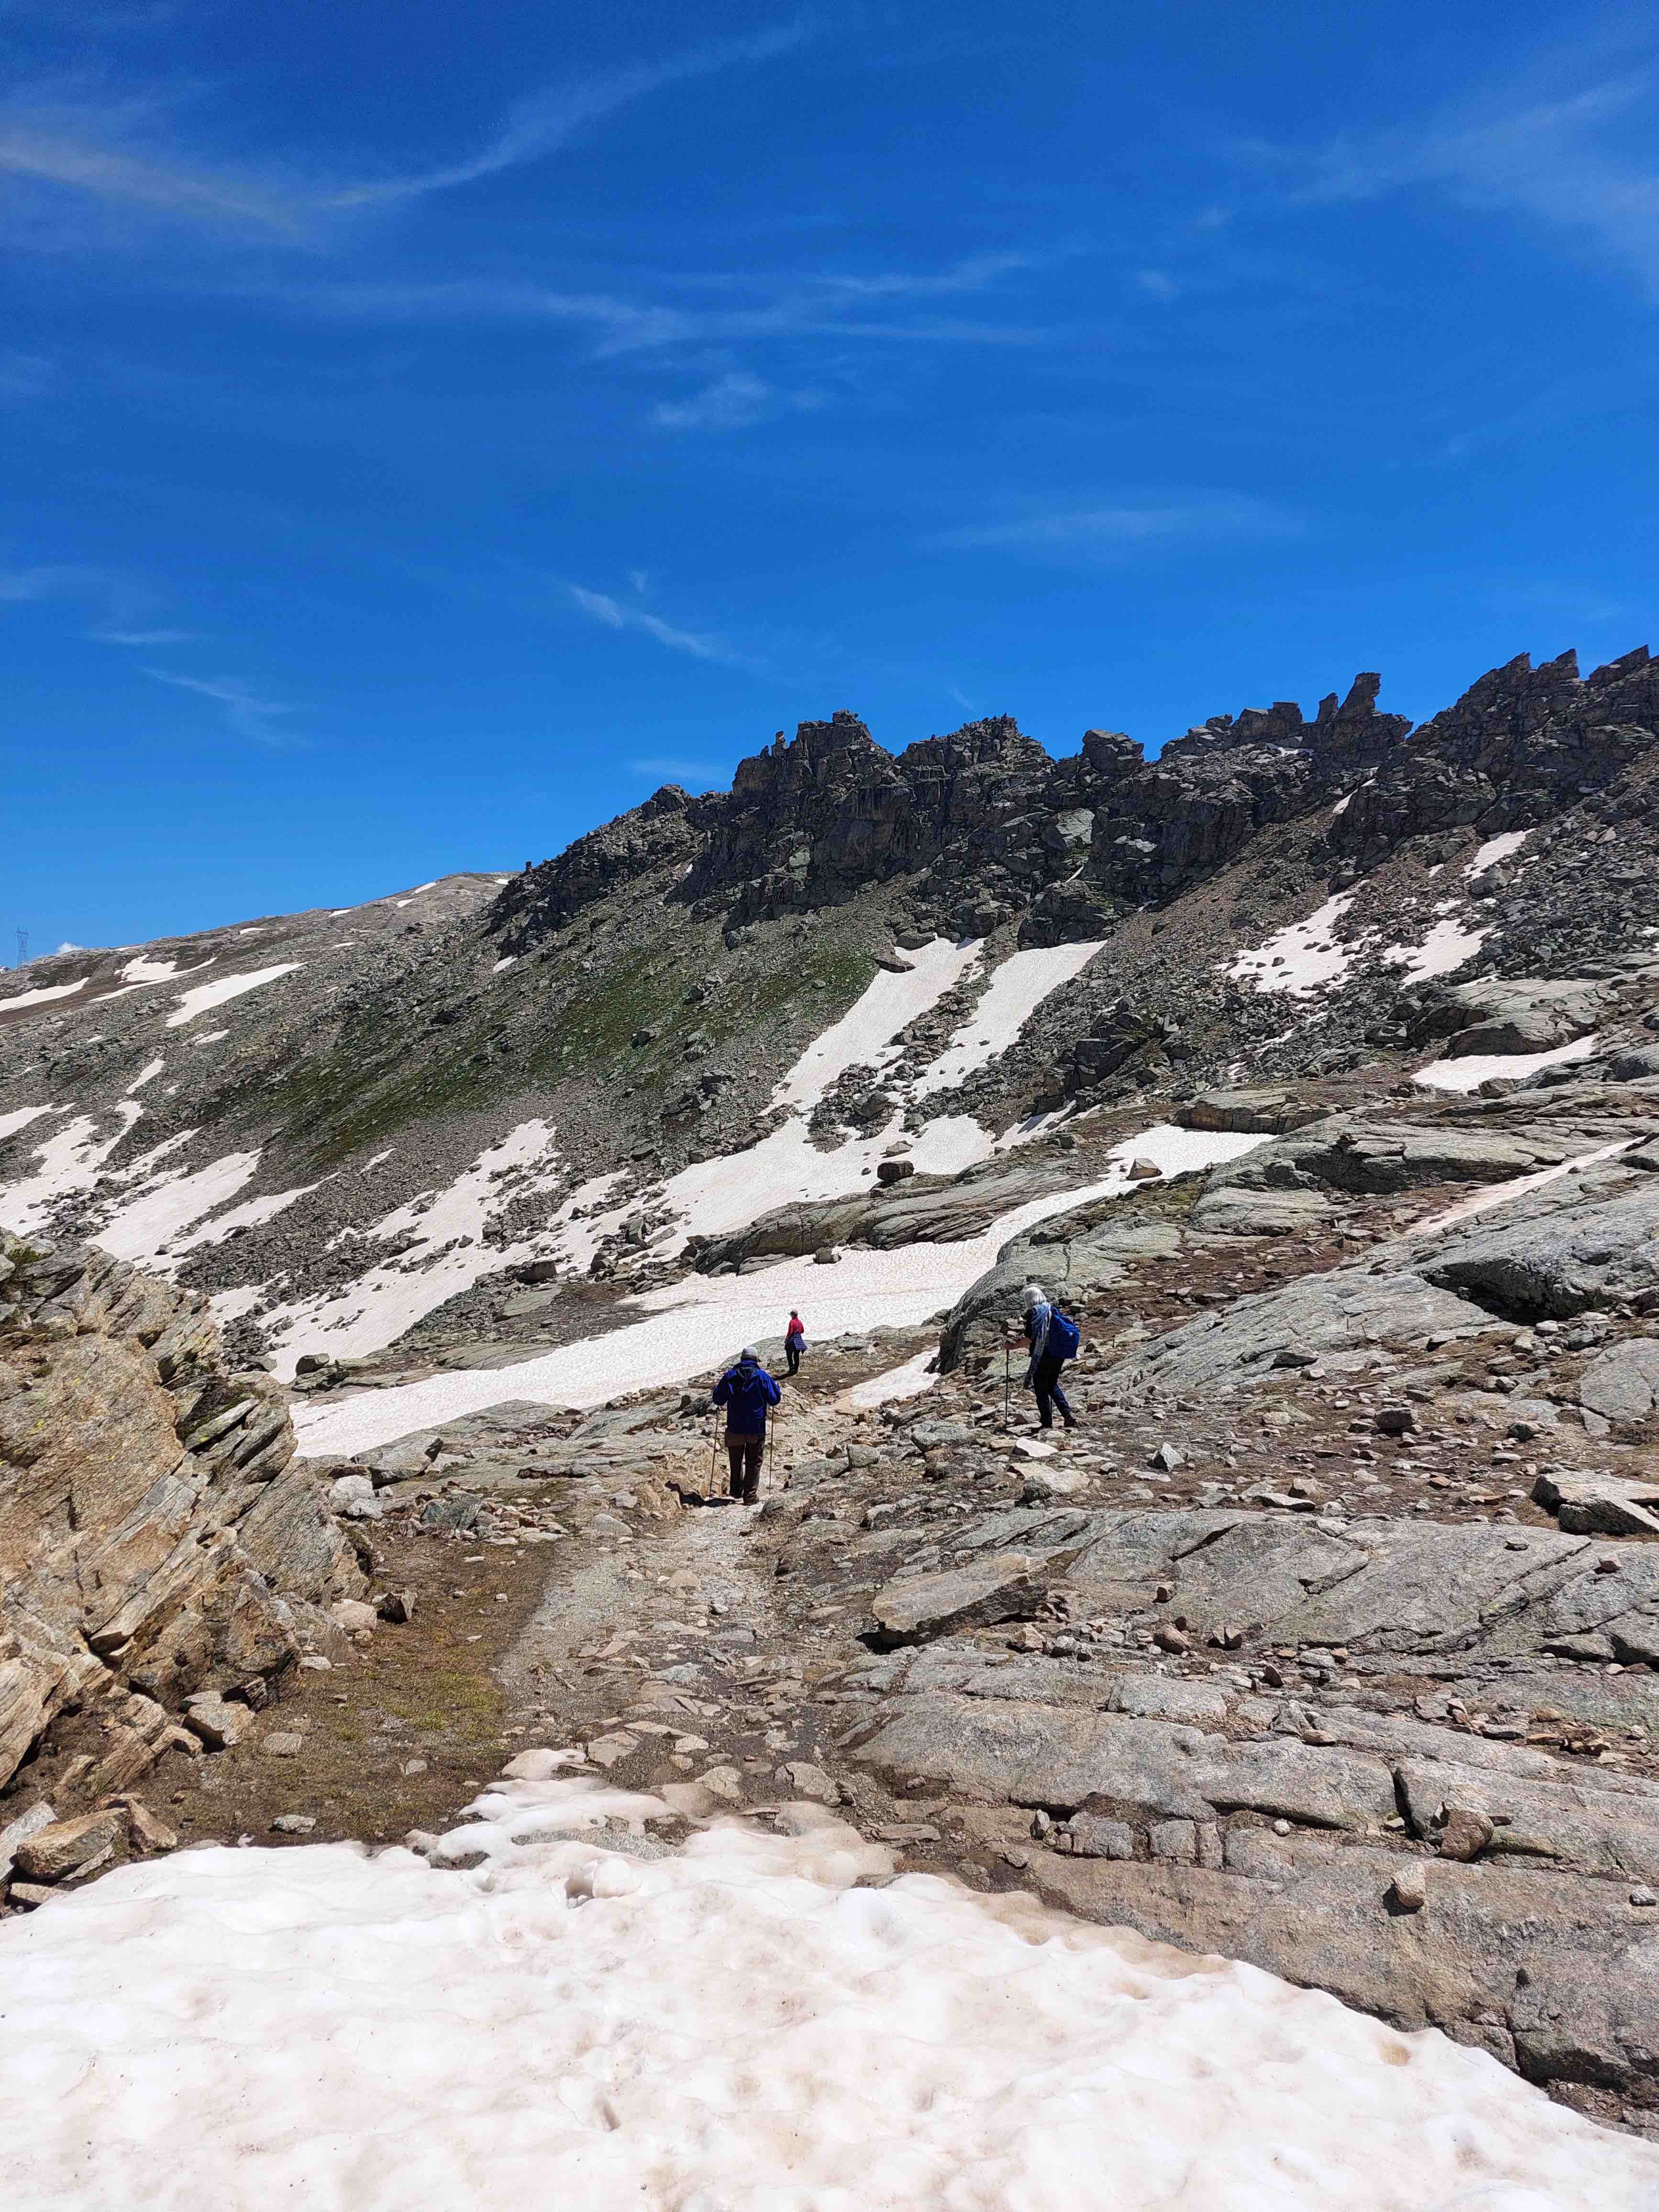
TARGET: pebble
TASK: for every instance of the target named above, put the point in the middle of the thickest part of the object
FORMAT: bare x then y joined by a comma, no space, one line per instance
293,1824
282,1746
1409,1889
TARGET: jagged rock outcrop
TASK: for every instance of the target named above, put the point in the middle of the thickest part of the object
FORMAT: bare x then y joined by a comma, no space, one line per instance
156,1537
1519,743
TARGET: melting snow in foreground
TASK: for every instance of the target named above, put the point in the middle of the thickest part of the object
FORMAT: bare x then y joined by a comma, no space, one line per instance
695,1323
1464,1074
735,2026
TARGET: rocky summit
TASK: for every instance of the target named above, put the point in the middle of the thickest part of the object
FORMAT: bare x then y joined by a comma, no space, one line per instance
365,1272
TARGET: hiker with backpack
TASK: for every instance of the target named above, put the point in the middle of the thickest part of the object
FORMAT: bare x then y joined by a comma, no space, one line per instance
1054,1338
746,1391
794,1342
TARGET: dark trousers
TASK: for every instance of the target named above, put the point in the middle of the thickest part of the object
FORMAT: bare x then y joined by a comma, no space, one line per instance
746,1454
792,1354
1045,1381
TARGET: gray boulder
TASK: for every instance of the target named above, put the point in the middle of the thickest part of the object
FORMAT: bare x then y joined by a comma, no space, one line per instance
1559,1260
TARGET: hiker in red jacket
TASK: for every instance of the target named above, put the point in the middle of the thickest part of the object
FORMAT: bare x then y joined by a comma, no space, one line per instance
794,1342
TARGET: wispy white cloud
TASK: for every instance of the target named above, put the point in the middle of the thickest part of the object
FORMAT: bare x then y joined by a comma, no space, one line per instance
126,154
1121,527
613,614
246,712
539,125
736,401
1581,164
114,152
788,305
121,608
141,636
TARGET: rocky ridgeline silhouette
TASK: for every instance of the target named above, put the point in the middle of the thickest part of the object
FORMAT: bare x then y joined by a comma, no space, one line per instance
994,829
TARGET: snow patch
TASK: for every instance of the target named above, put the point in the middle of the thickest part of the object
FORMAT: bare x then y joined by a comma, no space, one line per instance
909,1381
695,1323
1303,956
191,1003
144,970
147,1073
1465,1074
446,1254
1013,995
737,2024
502,966
1482,1202
1447,945
40,995
251,1214
1494,850
863,1037
146,1225
70,1160
19,1117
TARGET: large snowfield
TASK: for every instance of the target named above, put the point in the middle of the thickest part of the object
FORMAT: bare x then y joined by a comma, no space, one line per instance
758,2021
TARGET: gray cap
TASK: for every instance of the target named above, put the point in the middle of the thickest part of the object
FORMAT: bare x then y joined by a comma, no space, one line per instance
749,1352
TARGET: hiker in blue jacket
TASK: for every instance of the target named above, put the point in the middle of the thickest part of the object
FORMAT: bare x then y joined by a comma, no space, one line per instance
745,1391
1053,1339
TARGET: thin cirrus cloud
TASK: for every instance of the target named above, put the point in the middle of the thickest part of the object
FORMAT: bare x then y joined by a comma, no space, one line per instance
119,153
246,712
737,401
613,614
141,636
541,125
786,305
1120,528
1580,165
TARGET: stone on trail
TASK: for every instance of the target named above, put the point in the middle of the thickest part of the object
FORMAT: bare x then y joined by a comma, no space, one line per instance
297,1824
68,1847
1410,1887
1467,1831
1600,1504
353,1496
150,1832
39,1816
1622,1382
284,1745
919,1607
809,1781
220,1725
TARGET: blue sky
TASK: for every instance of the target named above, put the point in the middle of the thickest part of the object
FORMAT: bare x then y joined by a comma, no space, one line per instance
428,428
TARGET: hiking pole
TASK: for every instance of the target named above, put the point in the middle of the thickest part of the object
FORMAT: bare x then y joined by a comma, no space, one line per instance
1006,1415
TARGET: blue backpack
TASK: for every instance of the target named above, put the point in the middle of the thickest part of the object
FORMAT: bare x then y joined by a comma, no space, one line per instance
1063,1339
